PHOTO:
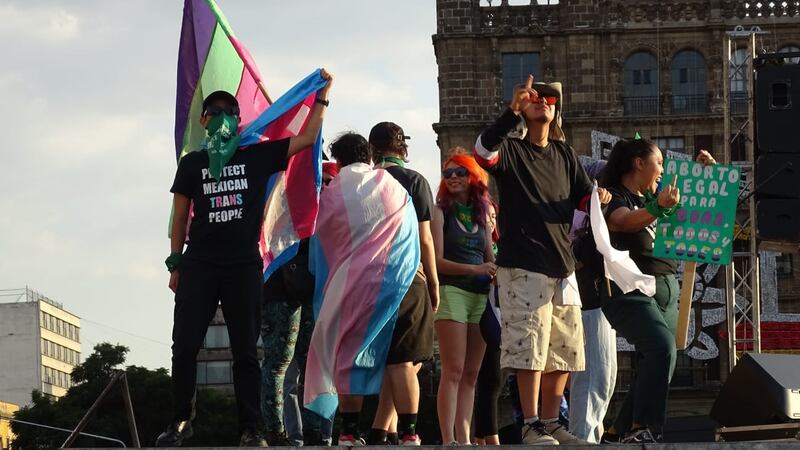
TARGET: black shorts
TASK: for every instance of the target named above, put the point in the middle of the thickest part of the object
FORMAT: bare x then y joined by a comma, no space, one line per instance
412,340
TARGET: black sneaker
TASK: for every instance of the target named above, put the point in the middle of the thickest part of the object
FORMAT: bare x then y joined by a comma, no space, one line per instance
278,439
609,438
314,439
175,433
252,438
639,436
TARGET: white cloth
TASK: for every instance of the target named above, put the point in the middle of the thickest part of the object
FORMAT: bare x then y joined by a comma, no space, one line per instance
619,266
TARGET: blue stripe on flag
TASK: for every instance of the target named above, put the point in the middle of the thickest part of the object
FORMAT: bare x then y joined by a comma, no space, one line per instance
366,375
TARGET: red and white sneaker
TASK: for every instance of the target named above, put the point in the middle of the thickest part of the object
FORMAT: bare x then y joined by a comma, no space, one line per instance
348,440
410,439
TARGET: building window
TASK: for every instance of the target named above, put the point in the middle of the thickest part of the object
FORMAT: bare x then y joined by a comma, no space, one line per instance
218,372
787,49
640,78
217,337
516,68
671,143
201,372
688,70
738,71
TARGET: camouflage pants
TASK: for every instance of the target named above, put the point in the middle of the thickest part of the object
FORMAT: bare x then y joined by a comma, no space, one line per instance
284,330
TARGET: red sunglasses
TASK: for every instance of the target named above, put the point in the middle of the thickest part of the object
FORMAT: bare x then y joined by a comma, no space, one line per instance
548,99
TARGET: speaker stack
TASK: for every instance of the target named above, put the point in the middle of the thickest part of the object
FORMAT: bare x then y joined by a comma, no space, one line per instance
777,168
760,399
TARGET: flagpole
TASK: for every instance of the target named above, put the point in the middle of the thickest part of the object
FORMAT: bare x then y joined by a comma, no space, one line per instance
685,304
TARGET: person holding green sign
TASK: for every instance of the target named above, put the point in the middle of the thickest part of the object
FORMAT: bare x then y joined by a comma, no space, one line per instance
632,174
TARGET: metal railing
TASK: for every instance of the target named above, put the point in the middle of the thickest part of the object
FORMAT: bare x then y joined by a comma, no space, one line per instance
738,102
641,106
689,104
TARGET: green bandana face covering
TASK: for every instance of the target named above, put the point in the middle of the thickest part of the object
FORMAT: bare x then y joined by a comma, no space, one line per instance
222,143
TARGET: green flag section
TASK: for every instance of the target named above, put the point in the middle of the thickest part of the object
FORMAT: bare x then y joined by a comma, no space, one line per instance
702,228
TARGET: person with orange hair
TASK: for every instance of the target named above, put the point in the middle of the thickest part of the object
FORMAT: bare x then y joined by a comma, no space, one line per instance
465,262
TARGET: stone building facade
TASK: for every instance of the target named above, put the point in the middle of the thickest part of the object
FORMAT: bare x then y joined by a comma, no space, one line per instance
626,65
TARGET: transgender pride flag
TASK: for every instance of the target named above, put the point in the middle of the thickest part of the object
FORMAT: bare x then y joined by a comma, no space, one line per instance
211,58
364,255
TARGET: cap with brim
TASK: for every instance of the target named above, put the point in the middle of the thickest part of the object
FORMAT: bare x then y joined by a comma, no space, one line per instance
387,136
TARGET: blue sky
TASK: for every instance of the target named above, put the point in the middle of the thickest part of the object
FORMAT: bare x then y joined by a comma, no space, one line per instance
88,155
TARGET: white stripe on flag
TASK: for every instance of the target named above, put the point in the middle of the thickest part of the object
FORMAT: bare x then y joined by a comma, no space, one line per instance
297,121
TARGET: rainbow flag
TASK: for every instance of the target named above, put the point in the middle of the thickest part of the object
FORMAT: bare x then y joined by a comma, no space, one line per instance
364,254
211,58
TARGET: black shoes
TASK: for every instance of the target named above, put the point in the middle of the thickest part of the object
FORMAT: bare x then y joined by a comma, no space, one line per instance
278,439
175,433
639,436
252,438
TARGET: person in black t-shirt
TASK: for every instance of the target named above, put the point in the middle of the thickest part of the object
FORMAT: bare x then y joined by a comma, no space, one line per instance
649,323
222,265
412,341
541,183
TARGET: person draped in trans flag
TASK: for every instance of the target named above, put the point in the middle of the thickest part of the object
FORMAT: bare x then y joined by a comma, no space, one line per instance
364,255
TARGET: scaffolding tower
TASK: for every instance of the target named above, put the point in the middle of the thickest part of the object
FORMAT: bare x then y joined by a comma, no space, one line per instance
742,276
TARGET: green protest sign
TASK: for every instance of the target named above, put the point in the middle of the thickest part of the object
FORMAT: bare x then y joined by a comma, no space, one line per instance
702,228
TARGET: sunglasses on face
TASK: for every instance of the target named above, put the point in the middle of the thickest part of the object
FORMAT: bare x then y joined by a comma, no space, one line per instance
458,171
215,110
549,100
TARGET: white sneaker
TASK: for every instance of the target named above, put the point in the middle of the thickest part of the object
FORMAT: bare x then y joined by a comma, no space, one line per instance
348,440
536,434
562,435
411,439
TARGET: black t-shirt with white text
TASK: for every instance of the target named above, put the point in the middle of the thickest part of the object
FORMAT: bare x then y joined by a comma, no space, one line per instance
228,214
540,188
418,188
640,243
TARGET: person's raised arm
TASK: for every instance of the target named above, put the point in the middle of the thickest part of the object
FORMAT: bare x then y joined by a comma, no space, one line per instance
625,220
178,233
488,144
307,138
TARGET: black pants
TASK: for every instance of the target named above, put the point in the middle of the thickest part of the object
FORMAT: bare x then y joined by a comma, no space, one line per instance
200,288
490,383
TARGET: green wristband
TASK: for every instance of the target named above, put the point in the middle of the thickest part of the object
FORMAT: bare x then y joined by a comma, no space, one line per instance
652,206
173,261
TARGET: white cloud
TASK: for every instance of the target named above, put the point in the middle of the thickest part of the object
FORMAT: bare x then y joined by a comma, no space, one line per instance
53,26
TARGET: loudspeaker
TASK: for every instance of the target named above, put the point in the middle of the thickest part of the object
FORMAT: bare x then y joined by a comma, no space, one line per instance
778,220
777,98
762,389
777,175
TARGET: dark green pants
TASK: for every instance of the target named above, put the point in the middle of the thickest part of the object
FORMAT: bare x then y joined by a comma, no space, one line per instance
648,323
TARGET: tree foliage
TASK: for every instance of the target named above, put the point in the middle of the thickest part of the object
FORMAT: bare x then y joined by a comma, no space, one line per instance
151,396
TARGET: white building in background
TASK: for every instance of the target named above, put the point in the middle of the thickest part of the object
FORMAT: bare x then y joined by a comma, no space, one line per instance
39,345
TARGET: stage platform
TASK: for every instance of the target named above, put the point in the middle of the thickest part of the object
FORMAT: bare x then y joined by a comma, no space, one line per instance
753,445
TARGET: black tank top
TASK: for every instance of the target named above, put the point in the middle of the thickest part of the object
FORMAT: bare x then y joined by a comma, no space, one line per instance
466,248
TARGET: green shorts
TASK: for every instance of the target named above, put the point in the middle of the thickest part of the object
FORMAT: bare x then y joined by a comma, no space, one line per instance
460,305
